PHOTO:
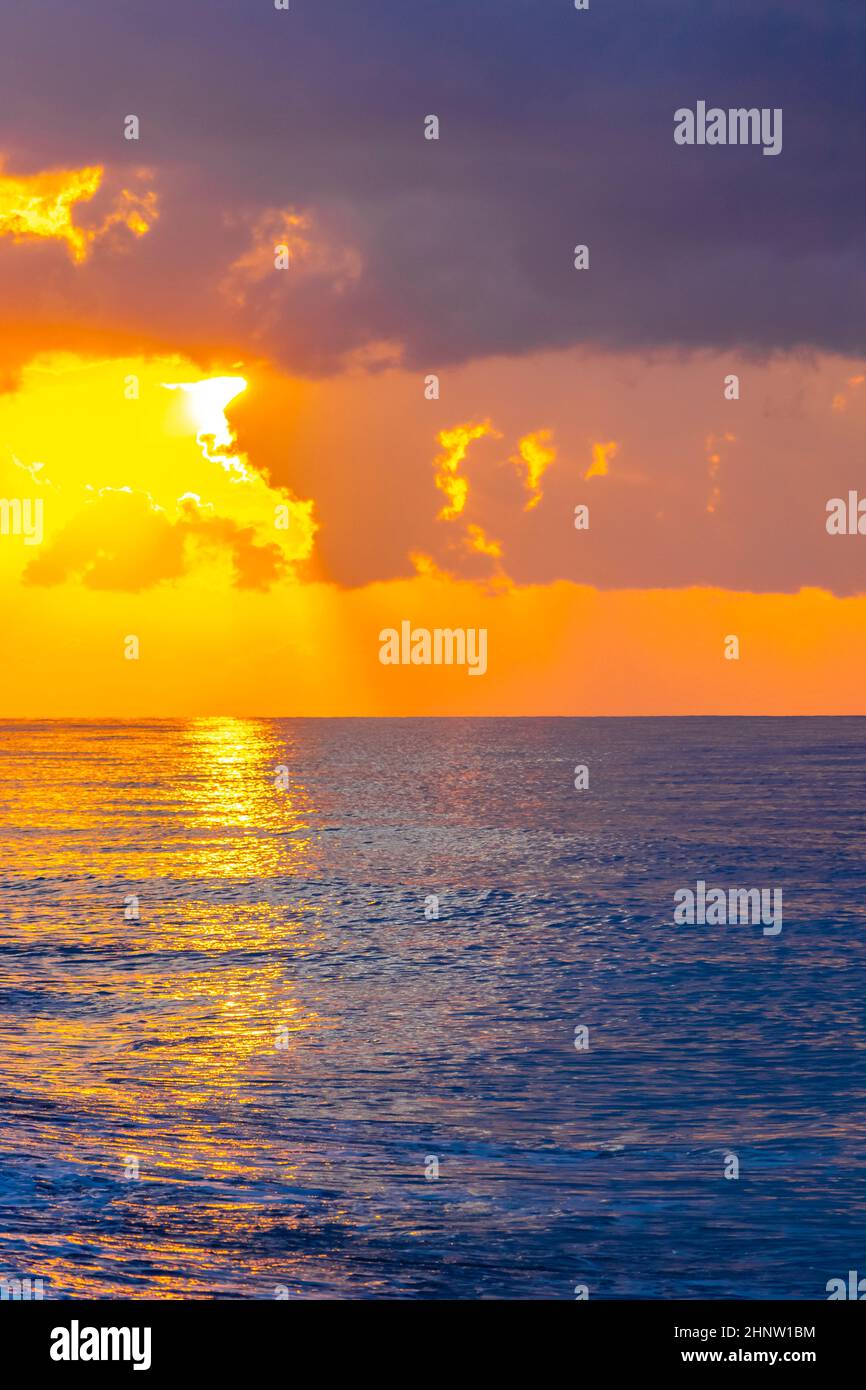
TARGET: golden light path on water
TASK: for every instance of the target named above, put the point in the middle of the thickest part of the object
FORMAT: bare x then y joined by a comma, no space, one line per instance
162,1023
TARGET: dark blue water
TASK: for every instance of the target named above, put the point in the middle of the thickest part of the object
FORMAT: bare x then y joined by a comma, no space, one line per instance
281,1042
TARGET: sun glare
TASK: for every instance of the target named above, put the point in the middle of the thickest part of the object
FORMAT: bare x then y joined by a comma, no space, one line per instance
207,401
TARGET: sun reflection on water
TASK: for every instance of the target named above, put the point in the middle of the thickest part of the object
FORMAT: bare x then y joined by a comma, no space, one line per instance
153,1034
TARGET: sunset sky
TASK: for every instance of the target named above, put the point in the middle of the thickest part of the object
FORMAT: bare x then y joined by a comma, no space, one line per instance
172,397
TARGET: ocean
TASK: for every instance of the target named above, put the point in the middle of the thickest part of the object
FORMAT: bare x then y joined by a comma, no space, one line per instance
391,1009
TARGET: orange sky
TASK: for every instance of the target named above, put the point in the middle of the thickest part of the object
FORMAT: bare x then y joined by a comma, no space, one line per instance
256,530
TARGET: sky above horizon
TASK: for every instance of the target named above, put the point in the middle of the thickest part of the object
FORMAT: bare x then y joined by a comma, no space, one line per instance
242,466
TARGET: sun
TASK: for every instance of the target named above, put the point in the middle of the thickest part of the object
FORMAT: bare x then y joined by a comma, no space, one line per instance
207,401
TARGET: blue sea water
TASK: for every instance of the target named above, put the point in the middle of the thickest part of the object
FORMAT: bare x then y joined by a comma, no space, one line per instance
280,1043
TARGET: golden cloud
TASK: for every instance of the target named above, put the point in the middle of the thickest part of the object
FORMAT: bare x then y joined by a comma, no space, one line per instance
535,455
40,207
601,457
121,540
455,446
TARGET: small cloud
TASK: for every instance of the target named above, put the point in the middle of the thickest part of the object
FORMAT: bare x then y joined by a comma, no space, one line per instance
535,455
480,543
425,566
383,354
309,253
455,446
601,457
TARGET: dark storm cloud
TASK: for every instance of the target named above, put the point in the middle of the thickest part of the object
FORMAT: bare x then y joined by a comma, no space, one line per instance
556,129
